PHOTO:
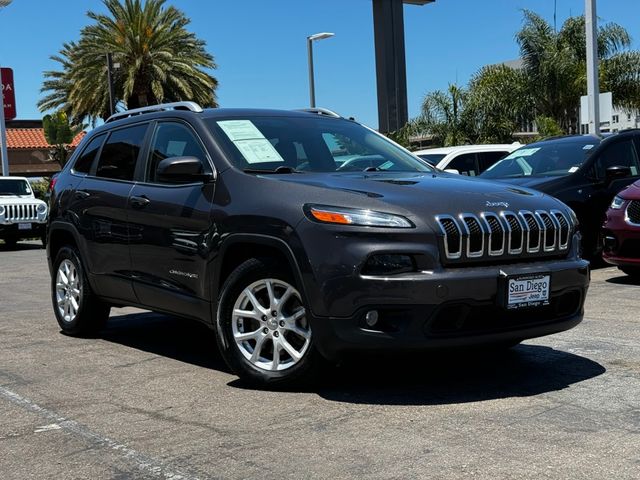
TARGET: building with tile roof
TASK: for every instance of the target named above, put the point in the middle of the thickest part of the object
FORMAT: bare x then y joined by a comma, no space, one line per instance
29,150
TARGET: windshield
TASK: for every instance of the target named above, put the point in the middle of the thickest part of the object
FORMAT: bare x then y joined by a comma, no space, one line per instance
14,187
544,159
432,158
309,144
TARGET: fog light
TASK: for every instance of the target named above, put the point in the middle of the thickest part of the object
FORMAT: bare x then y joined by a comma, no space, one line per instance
371,318
388,264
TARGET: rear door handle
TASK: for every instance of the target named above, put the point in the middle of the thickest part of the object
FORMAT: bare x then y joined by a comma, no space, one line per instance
82,194
139,202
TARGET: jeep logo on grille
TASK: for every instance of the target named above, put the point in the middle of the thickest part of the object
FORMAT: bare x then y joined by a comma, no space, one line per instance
497,204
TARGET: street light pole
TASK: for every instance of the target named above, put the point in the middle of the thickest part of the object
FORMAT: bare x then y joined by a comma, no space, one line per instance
593,86
312,83
3,130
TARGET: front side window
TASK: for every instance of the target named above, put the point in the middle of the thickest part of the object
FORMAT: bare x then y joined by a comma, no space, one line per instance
621,153
85,160
120,153
313,144
172,139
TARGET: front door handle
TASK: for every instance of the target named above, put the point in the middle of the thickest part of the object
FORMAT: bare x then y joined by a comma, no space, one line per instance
139,202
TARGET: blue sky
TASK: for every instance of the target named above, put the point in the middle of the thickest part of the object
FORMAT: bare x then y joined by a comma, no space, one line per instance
260,45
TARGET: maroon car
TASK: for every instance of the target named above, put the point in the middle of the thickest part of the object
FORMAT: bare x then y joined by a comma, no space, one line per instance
621,231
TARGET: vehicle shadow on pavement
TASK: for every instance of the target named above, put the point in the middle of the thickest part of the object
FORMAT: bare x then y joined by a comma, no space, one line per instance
382,379
451,378
184,340
624,279
20,246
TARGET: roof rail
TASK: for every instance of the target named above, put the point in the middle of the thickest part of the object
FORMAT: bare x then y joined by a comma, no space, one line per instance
321,111
191,106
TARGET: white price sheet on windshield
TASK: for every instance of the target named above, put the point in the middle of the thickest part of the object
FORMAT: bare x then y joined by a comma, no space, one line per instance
253,145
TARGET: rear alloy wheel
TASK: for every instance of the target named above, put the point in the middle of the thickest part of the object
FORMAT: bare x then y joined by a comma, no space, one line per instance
263,329
77,309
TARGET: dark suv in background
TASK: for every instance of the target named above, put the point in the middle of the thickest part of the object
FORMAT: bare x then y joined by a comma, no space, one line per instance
583,171
250,221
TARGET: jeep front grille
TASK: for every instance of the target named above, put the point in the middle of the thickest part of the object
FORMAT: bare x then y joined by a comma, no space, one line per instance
21,213
527,234
633,212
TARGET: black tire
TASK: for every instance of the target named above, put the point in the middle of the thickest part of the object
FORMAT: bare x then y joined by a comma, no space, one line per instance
11,242
92,313
633,272
300,371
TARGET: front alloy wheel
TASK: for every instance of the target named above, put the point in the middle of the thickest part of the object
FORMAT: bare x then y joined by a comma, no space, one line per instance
262,328
270,326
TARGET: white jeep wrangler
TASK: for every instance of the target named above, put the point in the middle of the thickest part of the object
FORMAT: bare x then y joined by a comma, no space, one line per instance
21,214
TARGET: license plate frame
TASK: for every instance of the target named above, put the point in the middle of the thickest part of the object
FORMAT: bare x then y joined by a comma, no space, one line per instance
528,290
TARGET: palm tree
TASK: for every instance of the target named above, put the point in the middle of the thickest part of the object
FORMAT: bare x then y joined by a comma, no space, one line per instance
555,65
498,103
159,61
442,116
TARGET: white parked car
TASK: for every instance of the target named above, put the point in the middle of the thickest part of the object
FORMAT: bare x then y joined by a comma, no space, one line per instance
22,215
469,160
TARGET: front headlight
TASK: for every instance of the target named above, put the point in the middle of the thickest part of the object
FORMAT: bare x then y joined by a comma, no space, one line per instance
42,208
1,210
617,203
355,217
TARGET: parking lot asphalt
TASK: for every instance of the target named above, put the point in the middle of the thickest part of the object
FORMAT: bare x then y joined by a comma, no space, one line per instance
151,398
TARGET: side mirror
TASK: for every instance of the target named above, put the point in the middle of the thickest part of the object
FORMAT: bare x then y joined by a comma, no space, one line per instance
182,170
452,170
617,171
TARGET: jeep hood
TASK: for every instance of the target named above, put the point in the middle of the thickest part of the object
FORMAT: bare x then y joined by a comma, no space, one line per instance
420,193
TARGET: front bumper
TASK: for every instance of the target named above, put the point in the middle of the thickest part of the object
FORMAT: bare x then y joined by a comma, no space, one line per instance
13,230
621,241
452,308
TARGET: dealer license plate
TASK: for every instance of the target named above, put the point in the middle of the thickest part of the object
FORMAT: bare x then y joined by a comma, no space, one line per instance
24,226
524,291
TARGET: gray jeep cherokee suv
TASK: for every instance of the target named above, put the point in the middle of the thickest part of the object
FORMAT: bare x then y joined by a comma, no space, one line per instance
298,236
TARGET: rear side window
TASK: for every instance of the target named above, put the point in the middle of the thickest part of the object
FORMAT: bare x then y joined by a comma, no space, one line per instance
120,153
85,160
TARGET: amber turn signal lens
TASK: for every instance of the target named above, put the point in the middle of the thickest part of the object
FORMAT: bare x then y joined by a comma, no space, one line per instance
330,217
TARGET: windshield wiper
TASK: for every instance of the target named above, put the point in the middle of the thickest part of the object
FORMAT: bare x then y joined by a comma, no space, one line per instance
279,170
373,169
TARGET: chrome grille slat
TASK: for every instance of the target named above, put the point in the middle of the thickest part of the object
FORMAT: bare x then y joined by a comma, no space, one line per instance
475,235
21,213
507,233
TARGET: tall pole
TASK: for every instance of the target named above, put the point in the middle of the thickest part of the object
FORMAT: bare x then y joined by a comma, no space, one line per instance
3,128
112,105
312,83
3,133
593,86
